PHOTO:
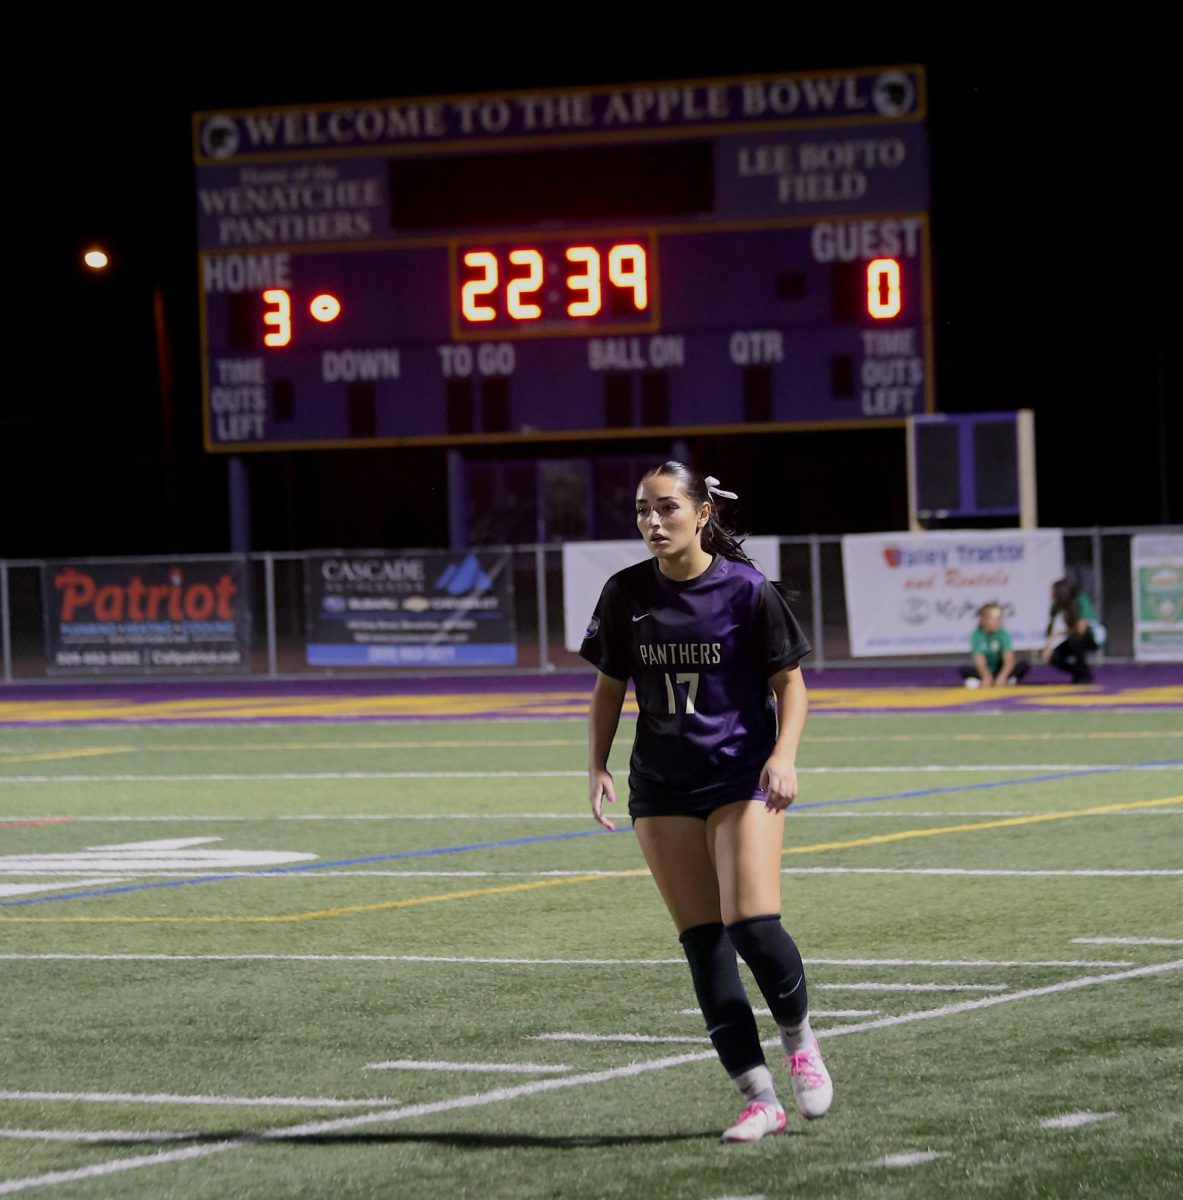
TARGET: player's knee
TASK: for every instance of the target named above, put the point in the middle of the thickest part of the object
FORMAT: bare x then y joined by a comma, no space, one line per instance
775,961
758,939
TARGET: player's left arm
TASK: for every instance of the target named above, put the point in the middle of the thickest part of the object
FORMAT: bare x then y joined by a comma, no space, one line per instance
779,776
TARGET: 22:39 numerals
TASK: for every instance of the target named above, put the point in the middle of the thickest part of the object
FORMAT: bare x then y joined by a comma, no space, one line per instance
518,282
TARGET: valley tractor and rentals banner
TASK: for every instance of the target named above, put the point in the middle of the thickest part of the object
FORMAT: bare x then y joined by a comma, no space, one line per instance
919,593
422,608
187,616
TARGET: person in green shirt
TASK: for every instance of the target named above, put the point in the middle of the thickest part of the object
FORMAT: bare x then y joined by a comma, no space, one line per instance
1085,631
994,662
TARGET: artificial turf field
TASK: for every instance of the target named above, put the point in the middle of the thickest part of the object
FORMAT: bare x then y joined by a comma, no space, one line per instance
396,958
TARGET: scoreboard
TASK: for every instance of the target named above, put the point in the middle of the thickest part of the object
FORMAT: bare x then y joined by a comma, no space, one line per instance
707,256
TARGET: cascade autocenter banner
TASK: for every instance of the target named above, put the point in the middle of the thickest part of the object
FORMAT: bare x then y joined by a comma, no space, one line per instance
423,608
115,618
1157,568
919,593
587,566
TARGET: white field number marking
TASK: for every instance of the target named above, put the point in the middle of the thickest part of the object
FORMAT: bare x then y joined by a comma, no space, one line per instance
168,854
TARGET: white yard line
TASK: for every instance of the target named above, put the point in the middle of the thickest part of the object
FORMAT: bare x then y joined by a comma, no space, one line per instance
103,1135
216,1101
1075,1120
645,1039
279,876
412,1064
499,1095
835,814
1090,872
549,962
814,1013
909,1160
1051,989
341,776
908,987
1128,941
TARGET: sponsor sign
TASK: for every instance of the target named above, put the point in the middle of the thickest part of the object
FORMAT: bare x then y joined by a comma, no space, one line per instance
919,593
422,608
587,566
134,616
1156,564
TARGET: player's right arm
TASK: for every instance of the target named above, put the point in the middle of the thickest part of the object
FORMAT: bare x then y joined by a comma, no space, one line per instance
603,718
983,669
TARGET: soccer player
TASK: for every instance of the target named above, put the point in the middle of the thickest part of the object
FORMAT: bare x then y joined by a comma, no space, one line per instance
993,653
710,643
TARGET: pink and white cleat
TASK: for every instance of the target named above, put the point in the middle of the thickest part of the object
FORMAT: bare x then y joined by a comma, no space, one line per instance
813,1089
755,1122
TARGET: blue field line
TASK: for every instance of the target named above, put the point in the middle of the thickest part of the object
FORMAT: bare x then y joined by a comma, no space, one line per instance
559,837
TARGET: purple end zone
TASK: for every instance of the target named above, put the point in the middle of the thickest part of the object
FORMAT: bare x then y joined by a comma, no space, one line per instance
1119,685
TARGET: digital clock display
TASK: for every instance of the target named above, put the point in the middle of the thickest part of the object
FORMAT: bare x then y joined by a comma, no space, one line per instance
550,285
725,255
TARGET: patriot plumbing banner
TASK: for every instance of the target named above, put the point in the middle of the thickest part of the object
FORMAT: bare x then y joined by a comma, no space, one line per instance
919,593
423,608
1156,563
587,565
136,616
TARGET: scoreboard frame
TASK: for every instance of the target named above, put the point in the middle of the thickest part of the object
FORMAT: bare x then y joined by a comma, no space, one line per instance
742,217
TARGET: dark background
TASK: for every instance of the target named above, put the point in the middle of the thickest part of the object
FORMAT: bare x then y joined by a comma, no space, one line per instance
1053,251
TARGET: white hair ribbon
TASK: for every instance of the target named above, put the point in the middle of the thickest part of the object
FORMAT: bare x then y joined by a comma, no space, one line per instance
715,490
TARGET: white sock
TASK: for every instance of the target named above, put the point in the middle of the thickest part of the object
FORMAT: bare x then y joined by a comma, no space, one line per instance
755,1086
796,1038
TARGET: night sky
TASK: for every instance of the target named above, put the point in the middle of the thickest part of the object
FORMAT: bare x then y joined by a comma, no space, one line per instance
1053,241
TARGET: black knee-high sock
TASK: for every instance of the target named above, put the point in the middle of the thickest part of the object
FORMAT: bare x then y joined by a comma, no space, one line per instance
721,996
776,963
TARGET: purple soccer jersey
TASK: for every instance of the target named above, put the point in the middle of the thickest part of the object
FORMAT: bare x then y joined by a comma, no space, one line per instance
700,653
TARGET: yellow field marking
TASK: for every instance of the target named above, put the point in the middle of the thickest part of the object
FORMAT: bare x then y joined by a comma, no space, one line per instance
951,697
381,905
81,752
552,704
263,707
1167,696
1005,823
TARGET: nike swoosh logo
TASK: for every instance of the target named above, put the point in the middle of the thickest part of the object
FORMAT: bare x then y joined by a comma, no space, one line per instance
640,618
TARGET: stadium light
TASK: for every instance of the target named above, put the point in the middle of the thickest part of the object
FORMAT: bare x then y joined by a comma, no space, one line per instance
96,259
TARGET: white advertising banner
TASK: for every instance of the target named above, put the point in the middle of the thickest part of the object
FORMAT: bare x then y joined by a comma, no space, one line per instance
587,566
919,593
1156,564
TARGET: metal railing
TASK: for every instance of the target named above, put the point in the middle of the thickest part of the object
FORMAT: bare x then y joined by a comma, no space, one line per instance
811,567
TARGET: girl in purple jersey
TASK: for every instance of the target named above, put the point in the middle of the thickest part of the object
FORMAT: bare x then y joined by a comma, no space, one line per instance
710,644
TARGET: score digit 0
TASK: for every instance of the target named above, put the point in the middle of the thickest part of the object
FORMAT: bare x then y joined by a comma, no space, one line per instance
885,297
525,275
